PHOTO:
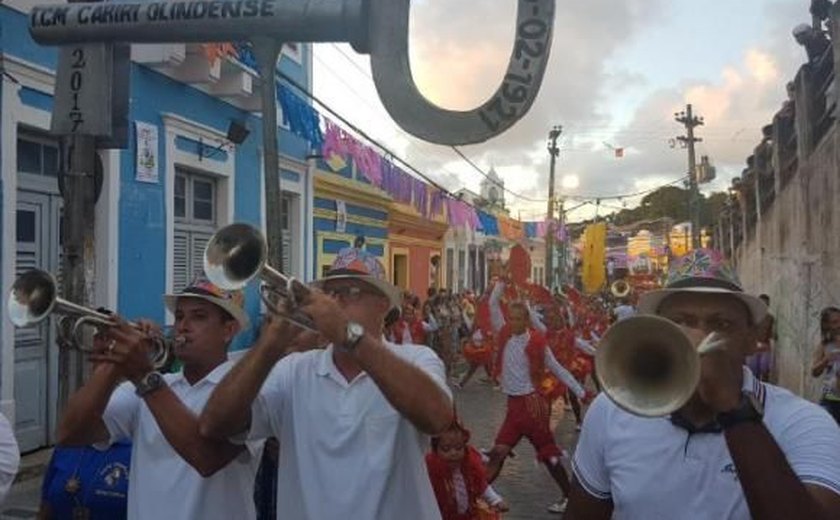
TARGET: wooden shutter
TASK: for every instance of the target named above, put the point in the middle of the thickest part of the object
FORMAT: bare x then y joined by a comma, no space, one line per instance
181,260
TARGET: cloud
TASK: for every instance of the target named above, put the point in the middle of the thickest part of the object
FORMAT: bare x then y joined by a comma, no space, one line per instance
460,50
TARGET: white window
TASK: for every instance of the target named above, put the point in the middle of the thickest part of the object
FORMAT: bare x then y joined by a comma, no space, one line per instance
195,222
36,154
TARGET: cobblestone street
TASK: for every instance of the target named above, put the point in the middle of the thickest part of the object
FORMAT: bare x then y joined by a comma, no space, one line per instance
525,484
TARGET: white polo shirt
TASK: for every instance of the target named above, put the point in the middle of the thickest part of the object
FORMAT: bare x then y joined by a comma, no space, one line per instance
9,457
652,469
162,484
345,452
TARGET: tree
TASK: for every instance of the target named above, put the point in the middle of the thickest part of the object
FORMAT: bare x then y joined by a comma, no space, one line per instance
672,201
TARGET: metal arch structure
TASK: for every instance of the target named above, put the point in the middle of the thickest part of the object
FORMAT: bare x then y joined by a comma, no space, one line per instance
377,27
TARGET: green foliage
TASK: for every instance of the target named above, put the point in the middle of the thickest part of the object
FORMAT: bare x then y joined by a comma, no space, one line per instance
672,202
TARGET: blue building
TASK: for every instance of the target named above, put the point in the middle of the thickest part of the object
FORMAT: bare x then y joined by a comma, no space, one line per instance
179,179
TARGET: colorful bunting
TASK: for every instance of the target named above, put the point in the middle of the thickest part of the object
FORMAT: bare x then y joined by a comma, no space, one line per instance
303,120
339,148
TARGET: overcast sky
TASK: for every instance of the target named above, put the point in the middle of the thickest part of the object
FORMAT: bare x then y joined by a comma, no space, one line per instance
619,69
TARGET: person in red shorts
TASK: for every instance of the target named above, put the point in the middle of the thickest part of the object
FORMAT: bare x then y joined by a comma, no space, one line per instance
478,352
521,362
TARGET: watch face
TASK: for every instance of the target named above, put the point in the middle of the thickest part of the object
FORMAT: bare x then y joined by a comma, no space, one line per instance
355,329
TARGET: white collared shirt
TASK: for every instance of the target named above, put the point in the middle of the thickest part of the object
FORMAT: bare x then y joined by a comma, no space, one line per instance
516,371
162,484
345,452
652,469
9,457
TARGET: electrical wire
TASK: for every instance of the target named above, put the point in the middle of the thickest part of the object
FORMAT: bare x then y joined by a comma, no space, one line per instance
388,152
455,149
471,163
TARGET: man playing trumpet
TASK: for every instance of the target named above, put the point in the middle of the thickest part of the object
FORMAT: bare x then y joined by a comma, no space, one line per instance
353,418
738,449
175,473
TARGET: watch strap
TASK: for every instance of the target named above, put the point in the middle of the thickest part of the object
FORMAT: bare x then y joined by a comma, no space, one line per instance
149,383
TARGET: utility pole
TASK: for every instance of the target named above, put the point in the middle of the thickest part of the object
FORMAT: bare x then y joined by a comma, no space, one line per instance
690,121
267,51
553,151
563,245
78,165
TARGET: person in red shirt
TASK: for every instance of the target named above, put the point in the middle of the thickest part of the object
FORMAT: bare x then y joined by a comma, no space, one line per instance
410,329
458,477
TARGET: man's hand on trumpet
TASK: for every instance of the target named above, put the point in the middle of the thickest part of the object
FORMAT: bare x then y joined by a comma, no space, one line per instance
289,337
721,374
128,347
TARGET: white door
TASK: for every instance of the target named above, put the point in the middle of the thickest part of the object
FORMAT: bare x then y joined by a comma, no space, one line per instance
38,224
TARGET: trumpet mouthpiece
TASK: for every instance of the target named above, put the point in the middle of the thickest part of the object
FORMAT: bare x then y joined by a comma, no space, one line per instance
711,343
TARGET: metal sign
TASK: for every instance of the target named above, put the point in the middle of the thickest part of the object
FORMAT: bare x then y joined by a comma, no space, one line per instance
378,27
83,90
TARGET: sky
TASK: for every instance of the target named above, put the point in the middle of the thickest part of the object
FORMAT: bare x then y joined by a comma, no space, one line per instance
618,71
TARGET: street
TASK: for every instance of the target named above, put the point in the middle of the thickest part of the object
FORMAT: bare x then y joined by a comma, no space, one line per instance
524,484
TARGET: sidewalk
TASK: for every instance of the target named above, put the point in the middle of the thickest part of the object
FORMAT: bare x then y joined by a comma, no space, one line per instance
25,495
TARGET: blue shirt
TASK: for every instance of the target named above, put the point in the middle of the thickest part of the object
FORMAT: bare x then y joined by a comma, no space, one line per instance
102,477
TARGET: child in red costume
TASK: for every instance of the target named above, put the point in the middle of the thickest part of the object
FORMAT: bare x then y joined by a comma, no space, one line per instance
458,478
478,352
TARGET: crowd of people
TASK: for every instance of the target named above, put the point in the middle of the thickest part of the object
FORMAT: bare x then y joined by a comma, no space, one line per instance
357,418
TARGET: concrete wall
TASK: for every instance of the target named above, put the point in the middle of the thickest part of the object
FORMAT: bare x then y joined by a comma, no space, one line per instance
794,257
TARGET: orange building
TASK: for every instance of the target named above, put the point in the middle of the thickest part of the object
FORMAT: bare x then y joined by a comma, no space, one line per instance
416,245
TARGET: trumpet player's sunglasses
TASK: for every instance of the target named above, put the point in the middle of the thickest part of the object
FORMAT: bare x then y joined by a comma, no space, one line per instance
350,292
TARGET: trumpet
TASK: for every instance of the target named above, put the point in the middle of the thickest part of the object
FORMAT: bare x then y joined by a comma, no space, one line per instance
34,297
648,366
620,288
236,254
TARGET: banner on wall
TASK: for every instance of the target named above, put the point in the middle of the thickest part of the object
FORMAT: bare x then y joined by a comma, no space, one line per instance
147,153
340,216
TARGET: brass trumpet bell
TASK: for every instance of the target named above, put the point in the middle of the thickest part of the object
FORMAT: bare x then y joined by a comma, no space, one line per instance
34,297
647,365
236,254
620,288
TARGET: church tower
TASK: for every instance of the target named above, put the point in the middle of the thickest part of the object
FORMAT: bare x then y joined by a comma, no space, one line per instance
493,190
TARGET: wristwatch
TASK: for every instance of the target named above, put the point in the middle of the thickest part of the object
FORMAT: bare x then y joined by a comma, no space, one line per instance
149,383
749,409
355,332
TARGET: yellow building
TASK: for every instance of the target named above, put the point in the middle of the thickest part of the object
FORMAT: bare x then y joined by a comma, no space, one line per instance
346,209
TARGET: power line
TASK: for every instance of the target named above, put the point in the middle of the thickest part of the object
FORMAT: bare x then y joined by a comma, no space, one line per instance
586,199
455,149
626,195
494,181
370,139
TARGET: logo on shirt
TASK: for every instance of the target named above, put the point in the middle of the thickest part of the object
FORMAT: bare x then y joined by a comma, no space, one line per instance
113,473
730,468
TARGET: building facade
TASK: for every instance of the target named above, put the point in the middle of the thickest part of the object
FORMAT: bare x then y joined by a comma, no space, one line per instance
179,179
416,249
346,208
